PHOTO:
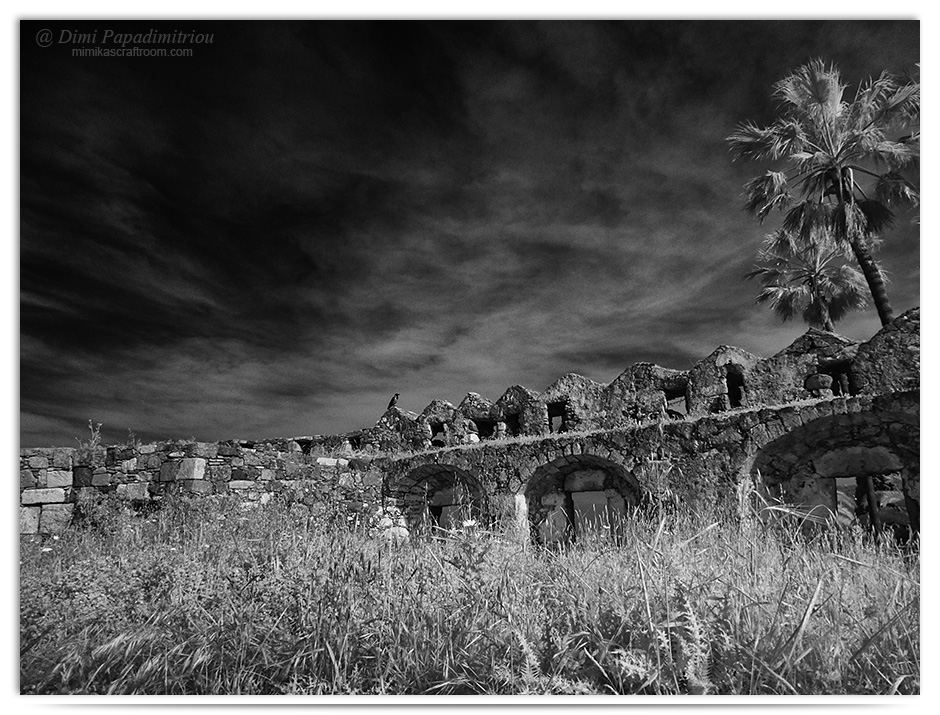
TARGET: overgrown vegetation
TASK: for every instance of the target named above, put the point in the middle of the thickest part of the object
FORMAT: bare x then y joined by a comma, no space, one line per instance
206,596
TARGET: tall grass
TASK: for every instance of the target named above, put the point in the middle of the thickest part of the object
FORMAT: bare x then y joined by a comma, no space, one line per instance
204,597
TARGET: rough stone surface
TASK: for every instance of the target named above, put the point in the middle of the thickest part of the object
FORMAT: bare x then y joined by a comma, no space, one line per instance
890,361
137,491
58,478
27,479
42,496
191,468
29,519
196,486
55,518
708,384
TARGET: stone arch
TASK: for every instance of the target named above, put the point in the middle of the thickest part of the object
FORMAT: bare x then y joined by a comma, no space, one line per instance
833,467
438,495
571,496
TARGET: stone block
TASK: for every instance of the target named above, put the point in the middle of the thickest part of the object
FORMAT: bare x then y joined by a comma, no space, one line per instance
42,496
207,449
129,465
38,462
58,478
196,486
137,491
251,458
219,472
168,471
267,474
62,458
55,518
147,449
27,479
100,479
326,461
227,450
29,519
240,484
192,468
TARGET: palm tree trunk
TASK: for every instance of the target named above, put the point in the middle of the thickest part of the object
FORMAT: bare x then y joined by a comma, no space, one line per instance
876,281
825,320
856,239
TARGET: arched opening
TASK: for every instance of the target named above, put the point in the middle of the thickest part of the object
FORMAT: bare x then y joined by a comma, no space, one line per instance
578,497
854,469
439,496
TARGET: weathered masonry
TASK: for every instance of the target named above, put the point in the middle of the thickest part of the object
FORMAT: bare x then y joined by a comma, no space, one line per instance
827,425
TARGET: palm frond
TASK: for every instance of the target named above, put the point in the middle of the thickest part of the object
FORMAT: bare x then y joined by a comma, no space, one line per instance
895,155
785,301
766,193
894,189
807,218
876,216
781,139
813,90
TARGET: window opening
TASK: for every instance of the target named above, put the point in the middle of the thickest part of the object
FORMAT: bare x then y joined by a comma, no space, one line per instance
556,417
485,428
675,403
839,372
734,378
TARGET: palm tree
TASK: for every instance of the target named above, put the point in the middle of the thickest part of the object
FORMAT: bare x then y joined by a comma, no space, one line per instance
829,148
806,280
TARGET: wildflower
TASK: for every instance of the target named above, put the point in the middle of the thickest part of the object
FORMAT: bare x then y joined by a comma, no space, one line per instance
47,549
55,538
469,523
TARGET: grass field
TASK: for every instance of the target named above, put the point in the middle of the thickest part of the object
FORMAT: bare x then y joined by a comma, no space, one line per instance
204,597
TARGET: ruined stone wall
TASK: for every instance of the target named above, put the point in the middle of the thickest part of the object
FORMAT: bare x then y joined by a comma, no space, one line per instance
52,480
699,461
623,433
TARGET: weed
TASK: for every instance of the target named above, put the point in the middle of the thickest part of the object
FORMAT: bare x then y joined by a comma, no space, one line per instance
95,438
206,597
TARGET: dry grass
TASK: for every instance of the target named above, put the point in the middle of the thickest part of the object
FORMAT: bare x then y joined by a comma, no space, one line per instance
204,597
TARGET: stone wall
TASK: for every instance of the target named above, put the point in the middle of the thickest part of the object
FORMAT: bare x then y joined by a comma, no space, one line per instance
698,462
52,480
651,434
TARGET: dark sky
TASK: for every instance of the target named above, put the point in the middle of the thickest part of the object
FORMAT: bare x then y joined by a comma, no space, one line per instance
272,236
